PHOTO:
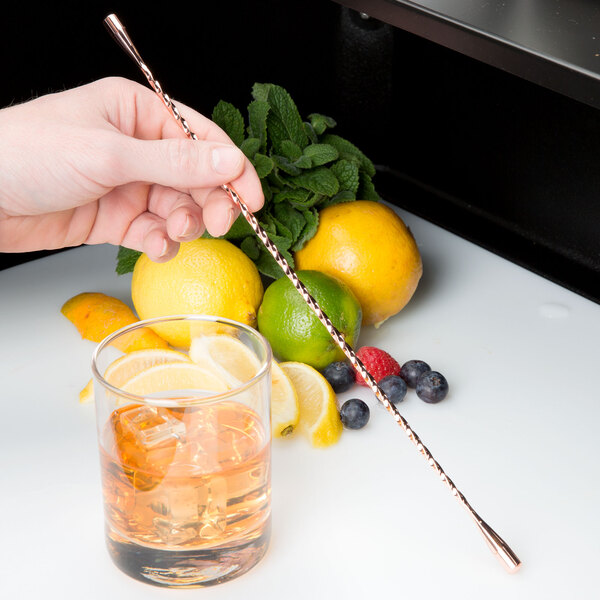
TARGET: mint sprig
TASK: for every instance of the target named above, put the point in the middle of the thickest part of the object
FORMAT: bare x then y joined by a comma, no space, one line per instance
303,168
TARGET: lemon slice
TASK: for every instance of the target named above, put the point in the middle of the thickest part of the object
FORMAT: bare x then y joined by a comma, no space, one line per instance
285,409
174,376
87,393
125,367
319,417
226,356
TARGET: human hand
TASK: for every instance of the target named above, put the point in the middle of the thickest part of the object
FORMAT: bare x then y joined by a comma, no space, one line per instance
107,163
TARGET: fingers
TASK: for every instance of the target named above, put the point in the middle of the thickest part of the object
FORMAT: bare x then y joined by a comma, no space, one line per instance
182,214
177,163
146,119
197,166
147,233
219,213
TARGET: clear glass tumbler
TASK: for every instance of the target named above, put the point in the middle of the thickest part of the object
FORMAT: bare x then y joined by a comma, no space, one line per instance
185,440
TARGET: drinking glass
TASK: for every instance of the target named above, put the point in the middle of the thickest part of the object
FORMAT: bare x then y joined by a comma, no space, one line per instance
185,451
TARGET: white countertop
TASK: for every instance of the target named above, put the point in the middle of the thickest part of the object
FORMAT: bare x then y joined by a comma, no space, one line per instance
518,434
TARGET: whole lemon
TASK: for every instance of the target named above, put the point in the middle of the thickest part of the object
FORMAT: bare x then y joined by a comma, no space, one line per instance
293,329
367,246
208,276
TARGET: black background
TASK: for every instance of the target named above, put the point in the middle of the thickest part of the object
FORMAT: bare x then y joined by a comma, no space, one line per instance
501,161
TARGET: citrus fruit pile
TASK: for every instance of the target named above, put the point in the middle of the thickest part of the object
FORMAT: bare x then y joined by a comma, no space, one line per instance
362,266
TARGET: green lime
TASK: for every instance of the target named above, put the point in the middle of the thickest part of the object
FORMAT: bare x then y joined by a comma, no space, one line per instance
292,328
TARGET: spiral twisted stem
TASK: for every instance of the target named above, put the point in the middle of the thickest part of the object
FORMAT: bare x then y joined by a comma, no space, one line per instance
506,556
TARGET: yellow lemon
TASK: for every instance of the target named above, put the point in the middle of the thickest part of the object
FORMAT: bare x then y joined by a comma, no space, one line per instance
319,417
87,393
367,246
174,376
124,368
226,356
208,276
285,409
232,360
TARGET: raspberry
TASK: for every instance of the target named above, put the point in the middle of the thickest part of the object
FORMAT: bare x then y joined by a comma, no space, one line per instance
378,362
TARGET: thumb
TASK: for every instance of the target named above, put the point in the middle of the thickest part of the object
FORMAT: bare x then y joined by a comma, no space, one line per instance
179,163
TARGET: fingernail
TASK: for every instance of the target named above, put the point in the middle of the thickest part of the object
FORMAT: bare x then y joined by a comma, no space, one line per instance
226,159
165,249
190,226
228,221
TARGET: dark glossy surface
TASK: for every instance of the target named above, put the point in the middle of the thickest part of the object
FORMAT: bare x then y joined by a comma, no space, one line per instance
554,43
564,31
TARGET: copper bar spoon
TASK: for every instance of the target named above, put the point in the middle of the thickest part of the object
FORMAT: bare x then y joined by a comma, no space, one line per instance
497,545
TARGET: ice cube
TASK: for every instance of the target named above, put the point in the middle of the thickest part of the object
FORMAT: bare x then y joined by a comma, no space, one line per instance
151,425
175,533
213,520
179,510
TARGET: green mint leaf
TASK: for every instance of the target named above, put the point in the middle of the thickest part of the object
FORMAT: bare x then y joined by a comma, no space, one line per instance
320,181
293,219
366,189
347,174
313,200
285,165
230,120
276,132
304,162
267,189
308,231
295,195
320,154
239,230
321,122
260,91
282,232
277,181
126,259
263,165
310,133
250,146
291,150
267,265
343,196
250,246
283,107
349,151
298,197
257,121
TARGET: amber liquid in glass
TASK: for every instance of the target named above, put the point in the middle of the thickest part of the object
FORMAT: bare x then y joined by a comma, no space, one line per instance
186,491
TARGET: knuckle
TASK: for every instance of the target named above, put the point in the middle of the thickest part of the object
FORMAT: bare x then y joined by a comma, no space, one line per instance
183,156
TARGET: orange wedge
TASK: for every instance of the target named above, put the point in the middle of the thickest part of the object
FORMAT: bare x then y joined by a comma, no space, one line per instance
97,315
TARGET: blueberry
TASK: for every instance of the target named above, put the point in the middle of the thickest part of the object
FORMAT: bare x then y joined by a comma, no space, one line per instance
412,370
354,413
340,375
432,387
394,388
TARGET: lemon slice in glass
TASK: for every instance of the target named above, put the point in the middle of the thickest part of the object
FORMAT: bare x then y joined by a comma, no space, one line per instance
285,409
175,376
226,356
125,367
319,417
